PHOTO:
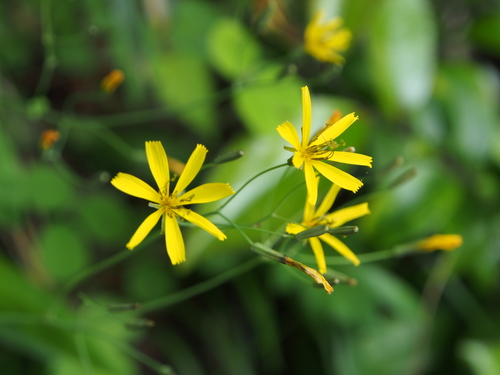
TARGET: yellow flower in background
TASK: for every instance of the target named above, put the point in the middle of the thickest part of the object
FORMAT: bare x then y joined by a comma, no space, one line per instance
170,205
335,219
112,80
446,242
324,40
311,155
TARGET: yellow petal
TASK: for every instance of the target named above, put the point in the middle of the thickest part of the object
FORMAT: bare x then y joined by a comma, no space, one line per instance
340,247
319,254
289,134
351,158
158,163
311,183
293,228
335,130
297,160
335,175
200,221
206,193
306,116
136,187
340,217
144,229
328,200
173,239
192,168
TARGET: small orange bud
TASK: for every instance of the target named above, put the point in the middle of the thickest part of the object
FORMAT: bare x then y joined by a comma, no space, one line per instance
112,80
48,138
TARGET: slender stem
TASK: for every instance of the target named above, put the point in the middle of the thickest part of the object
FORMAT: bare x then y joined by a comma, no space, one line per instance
50,59
237,227
364,258
250,180
169,300
101,266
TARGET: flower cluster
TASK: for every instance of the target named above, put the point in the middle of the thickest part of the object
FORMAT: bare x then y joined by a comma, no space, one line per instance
316,157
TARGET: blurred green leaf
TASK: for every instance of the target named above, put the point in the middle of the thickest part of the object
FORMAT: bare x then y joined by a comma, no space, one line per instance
149,276
105,217
48,190
188,37
483,358
14,191
185,85
402,53
486,33
268,102
232,49
62,251
470,94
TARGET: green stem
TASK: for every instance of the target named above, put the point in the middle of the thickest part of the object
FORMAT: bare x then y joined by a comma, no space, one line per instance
237,227
101,266
50,61
166,301
250,180
364,258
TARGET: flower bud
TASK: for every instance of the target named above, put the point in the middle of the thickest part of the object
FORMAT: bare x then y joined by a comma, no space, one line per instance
344,231
112,80
446,242
119,307
137,324
228,156
312,232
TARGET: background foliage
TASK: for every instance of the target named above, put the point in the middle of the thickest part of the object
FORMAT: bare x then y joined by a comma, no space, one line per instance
422,76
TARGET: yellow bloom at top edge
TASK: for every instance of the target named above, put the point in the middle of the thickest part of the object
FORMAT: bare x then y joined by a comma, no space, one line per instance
446,242
314,217
324,40
170,204
313,155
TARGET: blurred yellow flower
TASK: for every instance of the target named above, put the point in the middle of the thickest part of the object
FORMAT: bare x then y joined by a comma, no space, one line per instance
335,219
446,242
112,80
48,138
311,155
325,40
170,205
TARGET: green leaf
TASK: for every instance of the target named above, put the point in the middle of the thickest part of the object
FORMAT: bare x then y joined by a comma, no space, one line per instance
186,86
469,95
105,218
62,251
14,192
486,33
482,358
268,102
402,54
48,190
232,49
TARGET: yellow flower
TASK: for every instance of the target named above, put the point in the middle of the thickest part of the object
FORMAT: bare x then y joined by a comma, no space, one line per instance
440,242
335,219
323,41
310,155
112,80
168,204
